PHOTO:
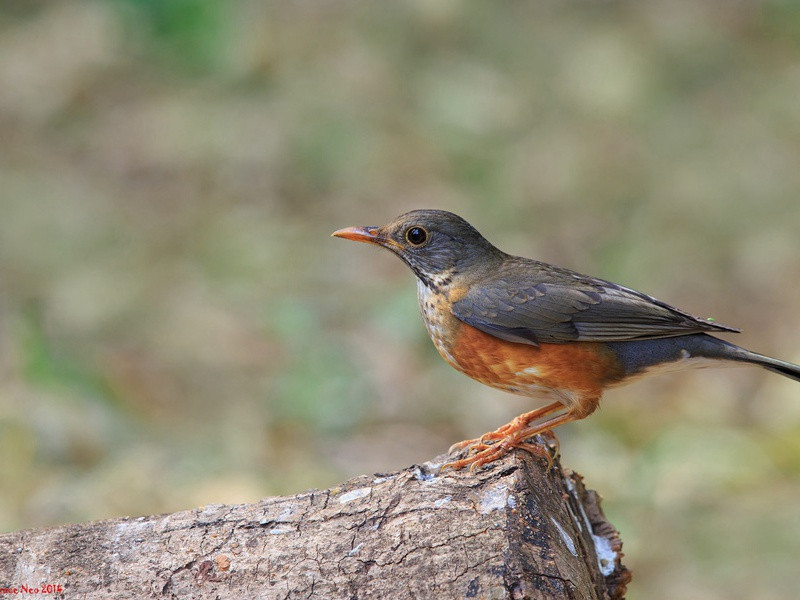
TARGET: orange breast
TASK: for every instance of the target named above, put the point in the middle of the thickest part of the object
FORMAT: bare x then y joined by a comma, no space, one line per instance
582,367
577,372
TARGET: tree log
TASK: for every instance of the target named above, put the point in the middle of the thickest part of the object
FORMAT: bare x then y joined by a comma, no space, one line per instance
512,530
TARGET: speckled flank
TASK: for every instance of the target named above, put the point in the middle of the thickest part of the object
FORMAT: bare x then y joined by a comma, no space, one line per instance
545,370
438,319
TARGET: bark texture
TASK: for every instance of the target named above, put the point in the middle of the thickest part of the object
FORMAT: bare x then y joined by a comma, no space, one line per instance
513,530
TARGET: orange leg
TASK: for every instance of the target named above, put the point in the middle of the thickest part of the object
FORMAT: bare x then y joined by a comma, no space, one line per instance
495,444
511,436
514,425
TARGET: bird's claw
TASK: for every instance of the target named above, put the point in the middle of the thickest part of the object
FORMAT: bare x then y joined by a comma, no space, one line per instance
492,446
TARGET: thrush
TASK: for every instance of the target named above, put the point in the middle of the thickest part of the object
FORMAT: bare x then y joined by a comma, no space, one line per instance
541,331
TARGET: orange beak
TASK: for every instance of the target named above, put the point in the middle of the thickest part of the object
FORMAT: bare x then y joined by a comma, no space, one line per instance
359,234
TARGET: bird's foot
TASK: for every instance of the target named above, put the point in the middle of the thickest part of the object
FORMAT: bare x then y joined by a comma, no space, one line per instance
485,449
517,424
516,434
490,438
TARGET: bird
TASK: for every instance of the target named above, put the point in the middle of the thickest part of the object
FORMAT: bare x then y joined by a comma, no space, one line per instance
539,330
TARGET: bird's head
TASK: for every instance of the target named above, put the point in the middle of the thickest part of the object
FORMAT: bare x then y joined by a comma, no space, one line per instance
436,244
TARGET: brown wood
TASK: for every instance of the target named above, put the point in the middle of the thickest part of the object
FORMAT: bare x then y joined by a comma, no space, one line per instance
511,530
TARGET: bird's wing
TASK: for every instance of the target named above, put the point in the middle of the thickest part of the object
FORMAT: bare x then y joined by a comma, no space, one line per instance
534,302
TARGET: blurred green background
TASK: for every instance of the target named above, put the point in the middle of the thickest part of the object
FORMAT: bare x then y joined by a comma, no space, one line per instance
177,327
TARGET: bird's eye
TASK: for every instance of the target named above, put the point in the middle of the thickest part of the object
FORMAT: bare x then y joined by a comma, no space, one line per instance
416,236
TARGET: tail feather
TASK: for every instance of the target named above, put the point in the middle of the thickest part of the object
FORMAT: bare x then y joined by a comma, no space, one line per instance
712,347
788,370
781,367
640,356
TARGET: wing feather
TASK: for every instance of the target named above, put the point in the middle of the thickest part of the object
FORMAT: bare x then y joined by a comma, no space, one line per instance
532,302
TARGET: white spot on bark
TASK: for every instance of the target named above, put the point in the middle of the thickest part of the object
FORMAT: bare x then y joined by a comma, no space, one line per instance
281,529
355,495
568,541
355,550
427,472
378,480
494,498
606,557
605,554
